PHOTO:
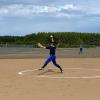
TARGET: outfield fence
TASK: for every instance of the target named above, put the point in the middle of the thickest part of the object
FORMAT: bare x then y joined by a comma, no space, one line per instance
35,46
16,45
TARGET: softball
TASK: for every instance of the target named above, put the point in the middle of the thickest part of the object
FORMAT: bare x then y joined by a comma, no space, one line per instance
51,36
20,73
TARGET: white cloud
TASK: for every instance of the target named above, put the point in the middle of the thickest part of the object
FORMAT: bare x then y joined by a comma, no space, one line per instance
28,10
69,7
68,11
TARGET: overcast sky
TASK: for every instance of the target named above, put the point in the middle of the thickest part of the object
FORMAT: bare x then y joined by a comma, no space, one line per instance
21,17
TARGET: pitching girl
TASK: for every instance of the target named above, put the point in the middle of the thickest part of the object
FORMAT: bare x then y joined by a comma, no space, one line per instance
52,56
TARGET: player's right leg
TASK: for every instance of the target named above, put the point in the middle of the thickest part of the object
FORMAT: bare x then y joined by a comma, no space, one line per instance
46,62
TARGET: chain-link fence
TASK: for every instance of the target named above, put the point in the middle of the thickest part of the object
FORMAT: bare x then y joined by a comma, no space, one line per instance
16,45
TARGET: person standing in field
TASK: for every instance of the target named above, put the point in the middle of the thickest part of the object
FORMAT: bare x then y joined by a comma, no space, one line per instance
52,56
81,49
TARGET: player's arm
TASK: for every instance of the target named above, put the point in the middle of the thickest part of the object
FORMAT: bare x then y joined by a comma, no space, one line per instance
41,46
52,39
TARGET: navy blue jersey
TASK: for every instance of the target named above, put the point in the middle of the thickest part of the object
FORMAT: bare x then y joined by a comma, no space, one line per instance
52,49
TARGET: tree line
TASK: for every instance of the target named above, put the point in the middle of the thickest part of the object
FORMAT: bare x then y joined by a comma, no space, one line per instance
62,39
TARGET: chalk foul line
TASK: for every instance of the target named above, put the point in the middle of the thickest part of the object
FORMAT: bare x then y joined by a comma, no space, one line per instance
63,77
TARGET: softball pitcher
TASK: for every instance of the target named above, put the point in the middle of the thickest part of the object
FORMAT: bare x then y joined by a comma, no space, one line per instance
52,56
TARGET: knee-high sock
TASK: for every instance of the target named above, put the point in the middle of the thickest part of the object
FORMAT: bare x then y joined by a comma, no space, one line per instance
58,66
44,66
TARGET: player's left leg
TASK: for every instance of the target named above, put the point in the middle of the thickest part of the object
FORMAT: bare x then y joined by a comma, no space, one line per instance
55,63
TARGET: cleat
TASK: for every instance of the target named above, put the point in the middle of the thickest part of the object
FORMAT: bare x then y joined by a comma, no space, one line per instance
61,71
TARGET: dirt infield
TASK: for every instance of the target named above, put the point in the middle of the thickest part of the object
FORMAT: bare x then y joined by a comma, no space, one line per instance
80,80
